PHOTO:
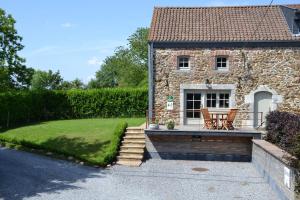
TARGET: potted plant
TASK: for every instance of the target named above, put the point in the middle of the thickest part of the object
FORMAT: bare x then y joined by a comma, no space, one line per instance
170,124
155,125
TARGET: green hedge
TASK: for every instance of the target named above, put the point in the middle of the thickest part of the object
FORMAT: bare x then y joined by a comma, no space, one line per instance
33,106
112,152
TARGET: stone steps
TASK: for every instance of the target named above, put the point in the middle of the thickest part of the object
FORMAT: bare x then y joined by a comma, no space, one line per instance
132,148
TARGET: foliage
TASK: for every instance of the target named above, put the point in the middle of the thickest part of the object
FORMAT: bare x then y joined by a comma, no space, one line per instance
127,67
75,84
283,129
13,73
94,141
42,80
170,124
39,105
118,134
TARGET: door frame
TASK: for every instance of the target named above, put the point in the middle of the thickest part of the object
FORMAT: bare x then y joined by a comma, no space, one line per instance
250,98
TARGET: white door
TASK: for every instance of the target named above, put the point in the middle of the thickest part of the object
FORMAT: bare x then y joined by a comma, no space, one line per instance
262,106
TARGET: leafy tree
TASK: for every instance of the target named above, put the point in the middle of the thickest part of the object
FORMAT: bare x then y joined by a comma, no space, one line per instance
138,44
75,84
127,67
14,74
42,80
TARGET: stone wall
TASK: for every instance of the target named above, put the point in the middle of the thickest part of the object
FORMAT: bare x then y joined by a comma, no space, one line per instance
278,68
270,161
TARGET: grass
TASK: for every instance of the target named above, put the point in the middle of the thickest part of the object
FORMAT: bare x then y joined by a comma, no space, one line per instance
89,140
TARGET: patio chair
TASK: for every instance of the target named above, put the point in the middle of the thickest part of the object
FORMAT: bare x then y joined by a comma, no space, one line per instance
209,123
228,122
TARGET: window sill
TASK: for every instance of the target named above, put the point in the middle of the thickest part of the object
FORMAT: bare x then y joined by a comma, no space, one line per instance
184,70
221,70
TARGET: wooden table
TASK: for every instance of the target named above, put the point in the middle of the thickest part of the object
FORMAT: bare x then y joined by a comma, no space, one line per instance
217,117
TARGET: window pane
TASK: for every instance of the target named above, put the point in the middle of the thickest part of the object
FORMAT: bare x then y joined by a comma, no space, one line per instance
214,96
197,96
189,96
219,60
189,105
226,104
221,103
197,104
180,64
222,96
226,96
186,64
189,114
224,64
196,114
208,103
213,103
224,60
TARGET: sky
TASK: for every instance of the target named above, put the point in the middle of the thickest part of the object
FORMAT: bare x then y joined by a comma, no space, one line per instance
75,36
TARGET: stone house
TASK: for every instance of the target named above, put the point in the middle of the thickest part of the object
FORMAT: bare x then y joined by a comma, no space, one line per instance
245,57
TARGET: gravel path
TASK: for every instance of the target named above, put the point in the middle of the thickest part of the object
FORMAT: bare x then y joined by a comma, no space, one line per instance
28,176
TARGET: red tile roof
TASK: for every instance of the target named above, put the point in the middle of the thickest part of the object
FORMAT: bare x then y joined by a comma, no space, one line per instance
216,24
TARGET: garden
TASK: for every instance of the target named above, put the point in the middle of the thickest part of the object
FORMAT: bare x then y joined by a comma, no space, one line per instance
80,125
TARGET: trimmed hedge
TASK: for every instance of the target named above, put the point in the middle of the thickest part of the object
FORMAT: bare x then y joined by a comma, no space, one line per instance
33,106
112,152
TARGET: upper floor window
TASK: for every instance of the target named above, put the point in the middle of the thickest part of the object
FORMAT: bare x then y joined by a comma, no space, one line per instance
183,62
221,63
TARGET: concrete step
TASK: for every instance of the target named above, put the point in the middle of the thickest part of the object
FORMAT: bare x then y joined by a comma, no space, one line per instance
133,141
131,163
131,150
134,137
138,145
134,133
132,156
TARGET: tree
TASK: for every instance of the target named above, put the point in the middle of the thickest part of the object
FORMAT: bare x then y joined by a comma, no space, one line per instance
75,84
42,80
17,75
138,44
128,66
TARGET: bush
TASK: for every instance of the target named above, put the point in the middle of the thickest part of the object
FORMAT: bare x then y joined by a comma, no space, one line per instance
283,129
33,106
115,142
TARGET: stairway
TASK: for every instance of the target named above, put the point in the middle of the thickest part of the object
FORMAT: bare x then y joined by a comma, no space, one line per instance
132,148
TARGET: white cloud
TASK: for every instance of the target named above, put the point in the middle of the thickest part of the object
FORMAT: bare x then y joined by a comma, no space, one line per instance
67,25
94,61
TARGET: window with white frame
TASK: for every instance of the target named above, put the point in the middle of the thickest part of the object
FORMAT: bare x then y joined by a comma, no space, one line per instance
217,100
221,63
193,104
183,62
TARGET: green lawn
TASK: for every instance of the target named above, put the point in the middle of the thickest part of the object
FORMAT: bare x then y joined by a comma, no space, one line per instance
85,139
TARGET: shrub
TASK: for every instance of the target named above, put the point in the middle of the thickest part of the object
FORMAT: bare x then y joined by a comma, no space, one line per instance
33,106
115,142
283,129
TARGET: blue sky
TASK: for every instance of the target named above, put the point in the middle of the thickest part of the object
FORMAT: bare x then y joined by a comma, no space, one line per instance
74,36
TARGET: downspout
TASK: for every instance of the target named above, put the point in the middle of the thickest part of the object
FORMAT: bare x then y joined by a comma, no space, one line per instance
150,81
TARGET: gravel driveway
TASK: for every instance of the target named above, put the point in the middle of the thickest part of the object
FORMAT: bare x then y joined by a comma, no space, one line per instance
28,176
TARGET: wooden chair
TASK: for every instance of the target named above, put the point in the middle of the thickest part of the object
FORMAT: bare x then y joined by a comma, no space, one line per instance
209,123
228,122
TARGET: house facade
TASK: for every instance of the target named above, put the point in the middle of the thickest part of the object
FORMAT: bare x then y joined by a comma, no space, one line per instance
245,57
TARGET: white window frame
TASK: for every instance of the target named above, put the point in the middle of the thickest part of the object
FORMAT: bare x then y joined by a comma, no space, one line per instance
184,62
193,100
221,68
